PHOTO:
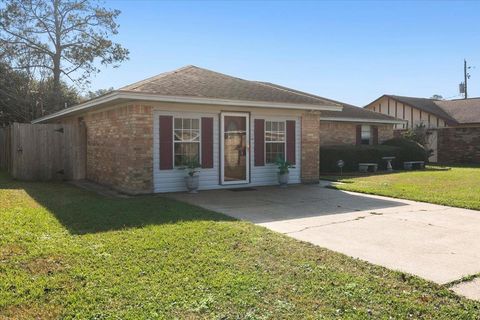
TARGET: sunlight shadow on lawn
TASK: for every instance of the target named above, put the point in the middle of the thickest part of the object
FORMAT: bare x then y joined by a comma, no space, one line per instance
82,211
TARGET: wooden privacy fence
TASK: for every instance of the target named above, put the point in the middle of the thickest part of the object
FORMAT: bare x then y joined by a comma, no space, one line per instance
44,151
5,149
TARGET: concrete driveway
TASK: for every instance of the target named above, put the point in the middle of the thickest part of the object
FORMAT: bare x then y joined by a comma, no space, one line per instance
438,243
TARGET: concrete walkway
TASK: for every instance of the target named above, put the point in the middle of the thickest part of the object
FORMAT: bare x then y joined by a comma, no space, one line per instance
438,243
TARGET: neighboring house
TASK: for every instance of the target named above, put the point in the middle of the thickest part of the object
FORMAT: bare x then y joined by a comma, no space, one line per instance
413,110
353,125
454,124
140,135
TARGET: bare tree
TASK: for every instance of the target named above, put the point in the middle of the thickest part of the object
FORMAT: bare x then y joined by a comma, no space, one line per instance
59,38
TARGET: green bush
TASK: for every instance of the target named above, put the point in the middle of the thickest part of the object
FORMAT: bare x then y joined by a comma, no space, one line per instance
400,148
409,151
354,154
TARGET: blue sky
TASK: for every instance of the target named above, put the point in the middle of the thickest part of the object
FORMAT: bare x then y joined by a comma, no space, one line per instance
350,51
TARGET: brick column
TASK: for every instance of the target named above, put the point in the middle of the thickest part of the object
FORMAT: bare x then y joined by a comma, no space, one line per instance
310,147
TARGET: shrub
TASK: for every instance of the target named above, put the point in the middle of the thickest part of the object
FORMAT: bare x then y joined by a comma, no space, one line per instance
354,154
400,148
408,151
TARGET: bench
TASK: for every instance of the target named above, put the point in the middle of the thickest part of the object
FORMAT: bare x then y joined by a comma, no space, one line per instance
410,165
363,167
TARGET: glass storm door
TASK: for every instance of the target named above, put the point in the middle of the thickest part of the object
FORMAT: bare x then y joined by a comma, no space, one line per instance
235,148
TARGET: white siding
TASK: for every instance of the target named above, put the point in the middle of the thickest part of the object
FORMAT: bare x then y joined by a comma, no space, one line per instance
173,180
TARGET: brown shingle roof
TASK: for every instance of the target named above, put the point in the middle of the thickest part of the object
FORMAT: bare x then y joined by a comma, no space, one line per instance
463,110
349,111
424,104
192,81
460,111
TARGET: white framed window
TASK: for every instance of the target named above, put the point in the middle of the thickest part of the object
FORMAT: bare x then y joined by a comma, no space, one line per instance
366,135
186,140
275,142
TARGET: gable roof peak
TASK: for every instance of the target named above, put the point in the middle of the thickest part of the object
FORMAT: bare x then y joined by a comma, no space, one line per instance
194,81
424,104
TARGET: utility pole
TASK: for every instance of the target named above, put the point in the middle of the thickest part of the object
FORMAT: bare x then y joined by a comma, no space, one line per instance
466,76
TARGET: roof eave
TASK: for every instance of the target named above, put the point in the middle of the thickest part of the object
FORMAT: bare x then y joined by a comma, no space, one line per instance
348,119
119,95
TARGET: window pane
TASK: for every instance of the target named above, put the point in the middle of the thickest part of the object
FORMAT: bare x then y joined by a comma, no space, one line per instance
274,136
274,151
268,136
196,135
186,151
275,131
365,131
182,131
190,135
178,123
187,123
366,134
274,126
187,135
178,135
195,124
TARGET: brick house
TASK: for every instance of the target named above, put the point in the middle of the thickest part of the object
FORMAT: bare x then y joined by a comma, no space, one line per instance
454,125
138,136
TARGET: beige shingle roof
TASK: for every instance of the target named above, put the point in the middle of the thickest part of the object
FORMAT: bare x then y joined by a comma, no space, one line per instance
200,86
192,81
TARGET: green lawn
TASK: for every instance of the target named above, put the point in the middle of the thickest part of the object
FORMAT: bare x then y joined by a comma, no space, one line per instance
458,187
67,253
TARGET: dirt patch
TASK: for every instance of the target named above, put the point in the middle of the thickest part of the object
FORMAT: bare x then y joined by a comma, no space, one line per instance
31,311
10,250
45,265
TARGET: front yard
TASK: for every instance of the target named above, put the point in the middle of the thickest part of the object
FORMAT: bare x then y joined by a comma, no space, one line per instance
68,253
457,187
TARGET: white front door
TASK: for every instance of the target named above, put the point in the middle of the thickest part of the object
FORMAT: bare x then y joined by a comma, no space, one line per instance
235,148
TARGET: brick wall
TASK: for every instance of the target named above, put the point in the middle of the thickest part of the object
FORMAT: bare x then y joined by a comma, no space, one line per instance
459,145
385,132
337,133
310,147
119,147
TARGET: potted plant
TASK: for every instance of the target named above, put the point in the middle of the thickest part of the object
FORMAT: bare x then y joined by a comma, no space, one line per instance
191,167
283,171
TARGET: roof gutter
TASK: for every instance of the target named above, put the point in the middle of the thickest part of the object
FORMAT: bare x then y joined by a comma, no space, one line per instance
118,95
363,120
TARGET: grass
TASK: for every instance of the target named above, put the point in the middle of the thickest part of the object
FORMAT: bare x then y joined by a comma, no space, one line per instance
458,187
71,254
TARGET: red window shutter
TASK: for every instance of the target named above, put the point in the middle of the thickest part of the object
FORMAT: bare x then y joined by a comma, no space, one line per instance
375,135
259,128
166,142
207,142
290,156
359,134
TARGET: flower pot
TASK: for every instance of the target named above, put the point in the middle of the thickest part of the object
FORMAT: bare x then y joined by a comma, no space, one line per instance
283,180
191,182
